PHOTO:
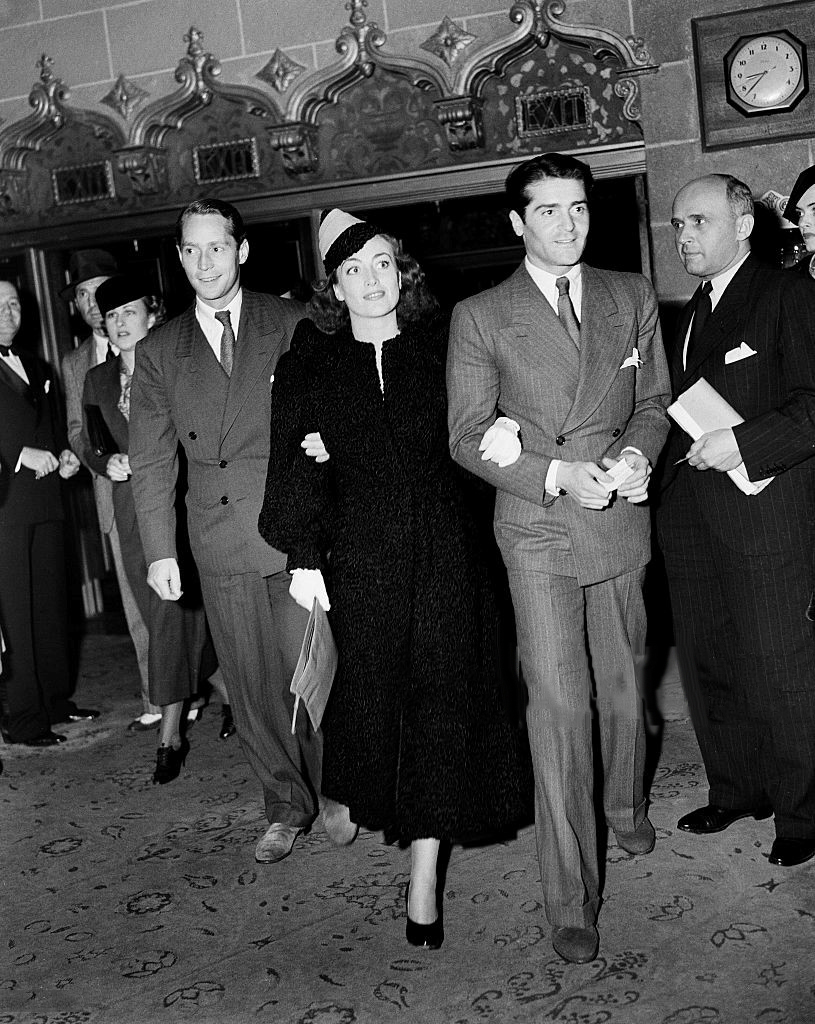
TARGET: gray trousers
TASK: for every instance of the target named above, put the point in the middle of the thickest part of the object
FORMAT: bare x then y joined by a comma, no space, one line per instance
579,648
258,630
135,623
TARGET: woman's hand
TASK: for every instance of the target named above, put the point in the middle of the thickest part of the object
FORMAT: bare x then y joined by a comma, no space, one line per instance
118,467
501,444
314,447
308,585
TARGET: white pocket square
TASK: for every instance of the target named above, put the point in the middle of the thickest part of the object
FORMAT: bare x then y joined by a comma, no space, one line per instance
47,386
742,352
633,360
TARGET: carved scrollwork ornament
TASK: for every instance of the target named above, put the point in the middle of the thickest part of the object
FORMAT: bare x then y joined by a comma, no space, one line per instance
462,119
297,145
145,168
628,90
13,193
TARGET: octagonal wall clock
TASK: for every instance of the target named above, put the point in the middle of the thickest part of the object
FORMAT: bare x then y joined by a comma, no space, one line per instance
753,74
766,73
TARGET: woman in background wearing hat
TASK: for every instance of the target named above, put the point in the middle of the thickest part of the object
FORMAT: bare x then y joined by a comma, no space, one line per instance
800,210
179,653
417,740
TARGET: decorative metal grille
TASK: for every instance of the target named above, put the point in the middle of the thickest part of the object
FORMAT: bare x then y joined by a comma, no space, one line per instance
552,111
226,161
82,183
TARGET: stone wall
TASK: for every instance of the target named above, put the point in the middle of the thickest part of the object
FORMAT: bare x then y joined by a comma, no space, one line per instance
92,42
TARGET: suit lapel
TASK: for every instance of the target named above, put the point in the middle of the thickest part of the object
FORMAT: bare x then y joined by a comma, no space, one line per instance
604,336
536,327
257,345
15,382
725,320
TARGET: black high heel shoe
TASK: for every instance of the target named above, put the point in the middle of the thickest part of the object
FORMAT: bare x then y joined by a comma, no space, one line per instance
169,762
429,936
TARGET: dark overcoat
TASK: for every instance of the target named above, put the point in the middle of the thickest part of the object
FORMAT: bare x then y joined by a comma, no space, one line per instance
417,739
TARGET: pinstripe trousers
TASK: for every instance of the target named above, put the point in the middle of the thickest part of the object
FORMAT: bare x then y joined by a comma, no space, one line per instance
747,658
578,647
258,630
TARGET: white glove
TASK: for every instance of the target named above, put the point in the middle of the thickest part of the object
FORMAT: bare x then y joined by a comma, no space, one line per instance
500,443
308,585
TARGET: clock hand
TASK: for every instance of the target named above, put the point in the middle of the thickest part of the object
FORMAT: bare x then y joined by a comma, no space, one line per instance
758,78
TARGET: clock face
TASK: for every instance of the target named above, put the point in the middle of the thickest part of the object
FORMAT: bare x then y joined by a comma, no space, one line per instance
766,73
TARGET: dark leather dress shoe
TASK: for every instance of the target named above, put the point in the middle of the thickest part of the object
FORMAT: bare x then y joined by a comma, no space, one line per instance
789,852
82,715
169,762
576,945
45,739
706,820
227,723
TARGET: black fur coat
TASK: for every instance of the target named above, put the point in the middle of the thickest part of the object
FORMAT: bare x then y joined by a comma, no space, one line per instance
418,741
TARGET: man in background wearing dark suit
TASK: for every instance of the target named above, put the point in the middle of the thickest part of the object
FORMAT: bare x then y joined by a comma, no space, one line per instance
33,607
574,356
740,568
87,269
204,380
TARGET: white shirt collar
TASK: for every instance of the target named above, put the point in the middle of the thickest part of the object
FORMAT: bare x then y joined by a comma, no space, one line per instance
546,283
207,313
721,281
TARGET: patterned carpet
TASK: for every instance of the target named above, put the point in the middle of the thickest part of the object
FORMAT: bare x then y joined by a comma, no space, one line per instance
126,902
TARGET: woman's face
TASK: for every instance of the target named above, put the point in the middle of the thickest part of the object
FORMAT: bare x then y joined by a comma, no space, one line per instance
128,324
806,218
368,282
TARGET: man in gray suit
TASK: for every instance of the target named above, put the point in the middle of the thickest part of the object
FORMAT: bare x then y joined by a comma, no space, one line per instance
87,269
204,380
572,359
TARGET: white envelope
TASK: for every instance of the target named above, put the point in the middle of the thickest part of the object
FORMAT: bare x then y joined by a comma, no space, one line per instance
742,352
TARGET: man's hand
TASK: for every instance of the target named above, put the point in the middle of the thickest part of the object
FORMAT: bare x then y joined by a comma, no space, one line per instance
68,464
163,576
118,467
314,447
306,585
717,449
500,443
585,482
41,461
635,487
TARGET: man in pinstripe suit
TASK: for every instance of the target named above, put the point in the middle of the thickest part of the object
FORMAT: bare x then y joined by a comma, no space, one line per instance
740,568
574,356
203,381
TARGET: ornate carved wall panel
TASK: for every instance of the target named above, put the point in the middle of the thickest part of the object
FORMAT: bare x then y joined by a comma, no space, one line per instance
373,114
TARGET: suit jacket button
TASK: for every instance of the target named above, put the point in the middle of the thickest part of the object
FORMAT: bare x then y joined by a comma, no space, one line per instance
224,500
560,439
222,463
192,435
615,432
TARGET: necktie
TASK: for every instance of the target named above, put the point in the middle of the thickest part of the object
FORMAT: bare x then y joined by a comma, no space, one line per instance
227,341
701,312
565,310
6,350
110,354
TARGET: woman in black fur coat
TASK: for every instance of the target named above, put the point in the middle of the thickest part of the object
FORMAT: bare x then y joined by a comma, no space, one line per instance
418,741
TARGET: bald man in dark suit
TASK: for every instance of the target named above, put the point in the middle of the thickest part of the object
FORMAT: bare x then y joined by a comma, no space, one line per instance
740,567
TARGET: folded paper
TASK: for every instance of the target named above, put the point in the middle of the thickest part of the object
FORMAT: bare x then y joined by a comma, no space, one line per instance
701,409
315,668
